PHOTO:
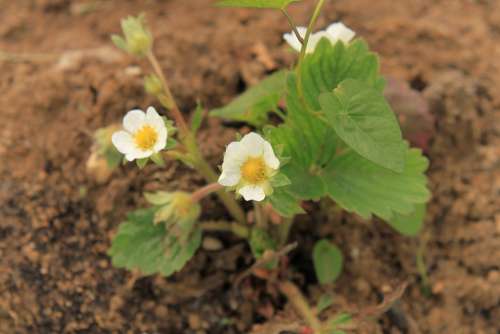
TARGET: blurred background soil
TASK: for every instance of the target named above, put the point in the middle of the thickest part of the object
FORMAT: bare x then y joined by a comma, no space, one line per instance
61,79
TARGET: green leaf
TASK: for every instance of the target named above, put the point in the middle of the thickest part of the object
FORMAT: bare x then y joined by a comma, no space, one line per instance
366,188
324,302
364,120
340,319
197,117
411,224
309,143
330,64
254,104
327,259
276,4
139,244
285,203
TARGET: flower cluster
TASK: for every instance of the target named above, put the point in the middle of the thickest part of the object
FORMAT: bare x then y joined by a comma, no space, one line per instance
335,32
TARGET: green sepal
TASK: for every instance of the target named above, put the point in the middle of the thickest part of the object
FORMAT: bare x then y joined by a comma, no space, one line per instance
197,117
141,163
285,203
279,180
157,158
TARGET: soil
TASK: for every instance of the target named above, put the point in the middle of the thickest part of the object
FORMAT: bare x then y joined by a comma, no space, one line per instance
61,80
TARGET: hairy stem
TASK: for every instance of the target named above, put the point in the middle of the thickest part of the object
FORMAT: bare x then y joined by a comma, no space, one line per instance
293,25
299,302
284,230
240,230
205,191
172,105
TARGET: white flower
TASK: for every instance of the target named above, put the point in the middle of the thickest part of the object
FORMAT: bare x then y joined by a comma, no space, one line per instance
248,165
144,134
335,32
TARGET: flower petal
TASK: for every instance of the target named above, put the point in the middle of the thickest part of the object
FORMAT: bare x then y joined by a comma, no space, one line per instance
269,156
134,120
230,177
138,154
292,39
123,141
161,142
338,31
234,156
252,193
153,118
253,144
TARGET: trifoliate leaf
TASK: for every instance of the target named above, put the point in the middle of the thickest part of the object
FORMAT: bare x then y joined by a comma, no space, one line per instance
276,4
361,186
327,259
139,244
255,103
285,203
364,120
411,224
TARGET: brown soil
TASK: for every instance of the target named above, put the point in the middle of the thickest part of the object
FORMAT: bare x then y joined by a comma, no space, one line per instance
64,81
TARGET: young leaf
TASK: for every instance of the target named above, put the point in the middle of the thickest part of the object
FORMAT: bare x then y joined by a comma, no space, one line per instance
254,104
139,244
327,259
276,4
366,188
411,224
364,120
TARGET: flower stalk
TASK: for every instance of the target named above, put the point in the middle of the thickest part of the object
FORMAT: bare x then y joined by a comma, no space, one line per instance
205,191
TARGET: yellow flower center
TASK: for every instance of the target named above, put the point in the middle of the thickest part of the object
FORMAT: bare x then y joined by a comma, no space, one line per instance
254,170
146,137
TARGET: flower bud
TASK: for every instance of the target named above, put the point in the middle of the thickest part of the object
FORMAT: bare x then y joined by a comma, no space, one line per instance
152,85
138,39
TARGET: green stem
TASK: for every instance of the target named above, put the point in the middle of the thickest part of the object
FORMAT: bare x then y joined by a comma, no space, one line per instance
299,302
303,50
293,25
284,231
260,217
189,141
239,230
